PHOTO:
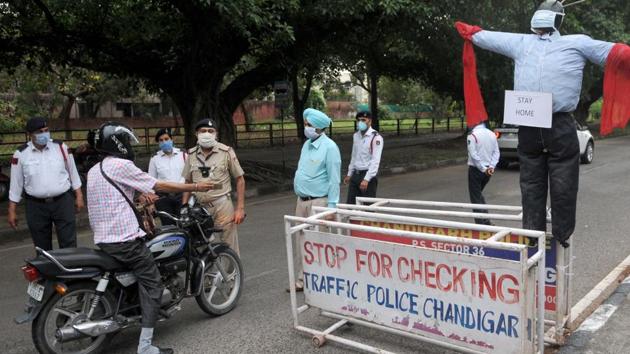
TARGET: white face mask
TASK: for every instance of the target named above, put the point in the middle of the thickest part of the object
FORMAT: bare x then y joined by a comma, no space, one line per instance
207,140
544,19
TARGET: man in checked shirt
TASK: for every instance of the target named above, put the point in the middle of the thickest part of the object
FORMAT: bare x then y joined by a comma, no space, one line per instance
367,147
115,226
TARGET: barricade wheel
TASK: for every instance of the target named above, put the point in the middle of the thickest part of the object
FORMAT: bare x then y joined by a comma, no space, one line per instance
318,341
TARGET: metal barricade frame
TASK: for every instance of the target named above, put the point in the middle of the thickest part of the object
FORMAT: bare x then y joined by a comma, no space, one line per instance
557,319
294,225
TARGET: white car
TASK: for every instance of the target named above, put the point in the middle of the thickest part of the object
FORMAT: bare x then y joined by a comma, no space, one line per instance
507,137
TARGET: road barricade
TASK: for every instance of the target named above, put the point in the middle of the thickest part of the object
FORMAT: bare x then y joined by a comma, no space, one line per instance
459,296
558,260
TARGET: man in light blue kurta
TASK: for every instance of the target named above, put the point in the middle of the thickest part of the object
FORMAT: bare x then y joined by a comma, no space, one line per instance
546,61
317,178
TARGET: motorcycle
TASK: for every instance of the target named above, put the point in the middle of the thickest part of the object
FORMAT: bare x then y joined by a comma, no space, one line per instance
80,297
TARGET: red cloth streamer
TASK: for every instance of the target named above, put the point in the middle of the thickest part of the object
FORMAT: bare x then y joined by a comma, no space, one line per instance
616,107
475,108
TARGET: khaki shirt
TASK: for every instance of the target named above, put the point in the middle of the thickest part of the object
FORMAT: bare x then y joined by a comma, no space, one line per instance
221,163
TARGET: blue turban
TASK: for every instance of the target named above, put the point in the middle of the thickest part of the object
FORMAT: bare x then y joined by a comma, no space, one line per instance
316,118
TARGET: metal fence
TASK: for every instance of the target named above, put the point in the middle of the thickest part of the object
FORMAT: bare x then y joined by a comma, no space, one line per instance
279,133
250,135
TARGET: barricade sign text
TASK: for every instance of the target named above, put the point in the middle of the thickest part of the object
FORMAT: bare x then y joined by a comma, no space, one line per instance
464,299
550,257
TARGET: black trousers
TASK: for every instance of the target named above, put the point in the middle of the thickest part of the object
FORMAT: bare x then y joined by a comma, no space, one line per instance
40,217
353,188
137,257
170,203
477,181
550,159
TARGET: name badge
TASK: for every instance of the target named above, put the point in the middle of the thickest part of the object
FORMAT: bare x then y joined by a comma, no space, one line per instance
530,109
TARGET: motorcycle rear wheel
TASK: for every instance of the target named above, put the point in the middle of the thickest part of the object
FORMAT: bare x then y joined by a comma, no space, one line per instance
219,296
62,310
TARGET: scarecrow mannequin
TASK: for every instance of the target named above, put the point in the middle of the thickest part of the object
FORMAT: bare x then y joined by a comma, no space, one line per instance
546,61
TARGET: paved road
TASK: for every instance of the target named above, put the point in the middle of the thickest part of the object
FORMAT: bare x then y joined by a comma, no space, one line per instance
261,323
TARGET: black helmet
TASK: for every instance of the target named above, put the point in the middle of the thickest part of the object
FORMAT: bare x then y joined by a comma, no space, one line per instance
553,6
115,139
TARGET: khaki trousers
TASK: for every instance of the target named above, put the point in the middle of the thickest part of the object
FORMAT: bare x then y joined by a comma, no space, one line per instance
222,212
303,209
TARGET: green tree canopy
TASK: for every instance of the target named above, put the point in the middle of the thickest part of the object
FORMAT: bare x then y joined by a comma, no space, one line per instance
442,69
206,55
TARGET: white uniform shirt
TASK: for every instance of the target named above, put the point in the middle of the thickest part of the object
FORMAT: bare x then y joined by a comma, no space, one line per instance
42,173
483,149
167,167
366,153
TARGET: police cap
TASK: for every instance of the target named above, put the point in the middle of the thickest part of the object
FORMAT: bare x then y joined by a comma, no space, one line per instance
36,123
364,114
206,122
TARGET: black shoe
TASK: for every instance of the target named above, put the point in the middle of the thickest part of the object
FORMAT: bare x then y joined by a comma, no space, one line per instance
166,351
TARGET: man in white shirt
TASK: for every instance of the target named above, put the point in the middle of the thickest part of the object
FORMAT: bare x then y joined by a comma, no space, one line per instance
167,165
367,147
44,172
483,156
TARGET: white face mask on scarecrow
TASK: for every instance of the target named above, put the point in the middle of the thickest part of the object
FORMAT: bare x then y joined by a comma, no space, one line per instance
548,18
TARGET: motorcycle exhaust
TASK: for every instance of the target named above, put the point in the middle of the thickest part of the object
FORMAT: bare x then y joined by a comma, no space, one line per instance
67,334
86,329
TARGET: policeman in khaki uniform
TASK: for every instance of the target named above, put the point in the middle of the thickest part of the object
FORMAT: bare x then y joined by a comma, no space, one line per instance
45,175
216,162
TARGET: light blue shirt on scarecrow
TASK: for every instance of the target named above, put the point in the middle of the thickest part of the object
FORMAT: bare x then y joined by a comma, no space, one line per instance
547,63
319,169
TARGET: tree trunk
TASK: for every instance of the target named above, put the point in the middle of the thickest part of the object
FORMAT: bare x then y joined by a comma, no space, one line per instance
248,118
299,102
65,115
373,77
582,110
588,97
222,115
190,108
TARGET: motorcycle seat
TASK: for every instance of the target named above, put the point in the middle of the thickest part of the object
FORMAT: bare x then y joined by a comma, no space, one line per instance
81,257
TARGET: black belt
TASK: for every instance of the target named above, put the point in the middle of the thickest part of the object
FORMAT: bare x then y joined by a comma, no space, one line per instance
46,200
304,199
360,171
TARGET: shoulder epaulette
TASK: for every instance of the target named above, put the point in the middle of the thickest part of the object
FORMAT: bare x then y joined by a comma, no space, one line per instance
192,150
223,147
23,147
57,141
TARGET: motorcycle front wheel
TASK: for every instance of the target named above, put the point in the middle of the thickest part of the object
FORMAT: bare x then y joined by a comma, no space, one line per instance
63,311
222,283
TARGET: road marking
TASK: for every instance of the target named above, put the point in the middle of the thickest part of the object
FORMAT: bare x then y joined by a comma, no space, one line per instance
600,316
272,199
598,319
260,275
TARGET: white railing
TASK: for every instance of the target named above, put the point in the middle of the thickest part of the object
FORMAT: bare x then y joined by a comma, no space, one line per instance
344,225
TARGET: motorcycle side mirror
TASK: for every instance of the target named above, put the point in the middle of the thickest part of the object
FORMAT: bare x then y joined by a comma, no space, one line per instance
191,201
